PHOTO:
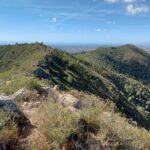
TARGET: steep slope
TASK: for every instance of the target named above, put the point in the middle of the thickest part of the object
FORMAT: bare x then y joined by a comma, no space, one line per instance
69,72
17,64
128,68
52,66
127,59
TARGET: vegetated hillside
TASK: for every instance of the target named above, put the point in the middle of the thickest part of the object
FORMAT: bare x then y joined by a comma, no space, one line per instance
72,119
18,55
56,67
128,68
65,120
17,63
127,59
69,72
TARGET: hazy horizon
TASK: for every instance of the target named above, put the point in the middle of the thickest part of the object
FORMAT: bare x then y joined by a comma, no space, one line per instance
79,47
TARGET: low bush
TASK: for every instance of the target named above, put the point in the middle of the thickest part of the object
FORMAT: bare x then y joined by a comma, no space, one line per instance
96,123
17,82
115,132
56,124
8,130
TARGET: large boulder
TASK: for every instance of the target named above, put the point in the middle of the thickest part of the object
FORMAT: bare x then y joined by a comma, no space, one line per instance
25,94
8,105
69,101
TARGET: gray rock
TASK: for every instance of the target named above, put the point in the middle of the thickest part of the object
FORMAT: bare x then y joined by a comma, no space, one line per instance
8,105
69,100
45,90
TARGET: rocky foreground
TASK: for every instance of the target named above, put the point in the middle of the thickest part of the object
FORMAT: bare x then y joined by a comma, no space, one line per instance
54,119
23,112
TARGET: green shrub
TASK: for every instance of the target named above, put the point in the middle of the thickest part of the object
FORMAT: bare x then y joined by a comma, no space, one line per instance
33,85
8,129
19,81
57,124
113,127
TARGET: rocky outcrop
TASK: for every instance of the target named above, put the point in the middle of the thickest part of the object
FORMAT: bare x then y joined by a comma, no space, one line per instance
69,101
28,95
7,104
20,94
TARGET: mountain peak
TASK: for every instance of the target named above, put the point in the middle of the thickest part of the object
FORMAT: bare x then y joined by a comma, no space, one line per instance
131,46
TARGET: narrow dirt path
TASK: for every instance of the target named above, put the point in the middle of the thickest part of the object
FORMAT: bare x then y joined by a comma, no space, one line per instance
30,109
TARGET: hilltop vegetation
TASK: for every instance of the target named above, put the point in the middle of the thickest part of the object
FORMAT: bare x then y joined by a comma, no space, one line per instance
111,74
17,64
128,68
61,68
69,72
95,125
127,59
16,55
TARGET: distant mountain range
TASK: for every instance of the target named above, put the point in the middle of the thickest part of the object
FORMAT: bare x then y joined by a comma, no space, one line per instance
73,48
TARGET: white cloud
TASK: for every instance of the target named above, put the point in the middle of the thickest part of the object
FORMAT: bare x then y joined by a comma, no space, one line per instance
100,30
111,1
54,19
131,9
123,1
129,1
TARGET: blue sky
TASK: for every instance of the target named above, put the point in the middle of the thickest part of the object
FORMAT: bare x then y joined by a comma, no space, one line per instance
75,21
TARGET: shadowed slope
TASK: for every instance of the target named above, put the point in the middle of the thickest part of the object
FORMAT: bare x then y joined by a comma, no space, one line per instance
127,59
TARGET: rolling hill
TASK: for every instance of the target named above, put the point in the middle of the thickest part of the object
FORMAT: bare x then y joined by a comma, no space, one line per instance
127,59
128,68
96,72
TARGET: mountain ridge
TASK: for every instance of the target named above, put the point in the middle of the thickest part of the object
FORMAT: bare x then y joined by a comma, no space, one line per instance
73,71
127,59
87,95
